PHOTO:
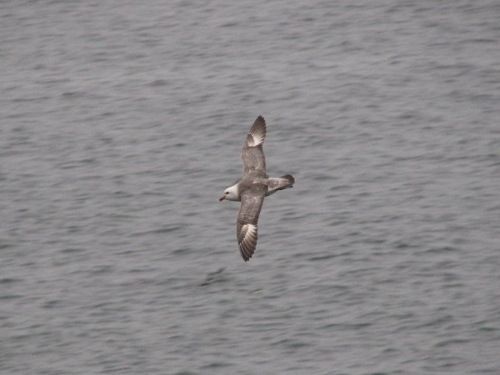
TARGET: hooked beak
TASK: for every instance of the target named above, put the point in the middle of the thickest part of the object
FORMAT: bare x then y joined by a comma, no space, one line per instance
222,197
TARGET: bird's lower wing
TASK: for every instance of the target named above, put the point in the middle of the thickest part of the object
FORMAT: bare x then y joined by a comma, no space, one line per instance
246,227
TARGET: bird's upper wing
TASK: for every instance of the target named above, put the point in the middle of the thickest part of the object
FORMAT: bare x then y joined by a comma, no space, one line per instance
246,227
252,153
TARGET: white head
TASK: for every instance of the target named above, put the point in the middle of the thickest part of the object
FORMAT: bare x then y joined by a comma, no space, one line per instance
231,194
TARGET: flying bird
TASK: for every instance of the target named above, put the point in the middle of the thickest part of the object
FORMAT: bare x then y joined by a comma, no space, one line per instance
253,187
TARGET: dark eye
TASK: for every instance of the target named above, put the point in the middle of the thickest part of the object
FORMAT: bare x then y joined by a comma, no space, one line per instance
227,192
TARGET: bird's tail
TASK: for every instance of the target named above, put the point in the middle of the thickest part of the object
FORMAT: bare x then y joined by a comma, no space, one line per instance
279,183
289,179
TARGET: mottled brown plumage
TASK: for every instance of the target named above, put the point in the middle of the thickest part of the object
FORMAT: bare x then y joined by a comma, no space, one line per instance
253,188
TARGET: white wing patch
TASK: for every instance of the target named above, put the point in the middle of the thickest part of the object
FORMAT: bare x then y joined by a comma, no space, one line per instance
250,232
258,139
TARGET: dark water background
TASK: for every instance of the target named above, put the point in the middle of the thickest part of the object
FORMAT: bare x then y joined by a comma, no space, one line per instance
121,123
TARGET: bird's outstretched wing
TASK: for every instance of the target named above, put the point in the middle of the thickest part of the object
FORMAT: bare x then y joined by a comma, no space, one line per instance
252,153
246,226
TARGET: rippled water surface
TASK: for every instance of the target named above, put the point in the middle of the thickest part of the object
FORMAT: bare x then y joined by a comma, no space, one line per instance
121,124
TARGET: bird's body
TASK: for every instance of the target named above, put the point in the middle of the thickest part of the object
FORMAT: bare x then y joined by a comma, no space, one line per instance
254,186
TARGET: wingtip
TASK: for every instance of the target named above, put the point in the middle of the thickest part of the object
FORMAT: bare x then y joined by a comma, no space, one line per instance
261,121
247,251
246,257
257,132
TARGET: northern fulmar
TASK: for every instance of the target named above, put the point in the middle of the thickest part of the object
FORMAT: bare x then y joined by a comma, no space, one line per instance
253,187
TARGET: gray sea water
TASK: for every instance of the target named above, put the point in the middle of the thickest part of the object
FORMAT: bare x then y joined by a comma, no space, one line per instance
121,123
